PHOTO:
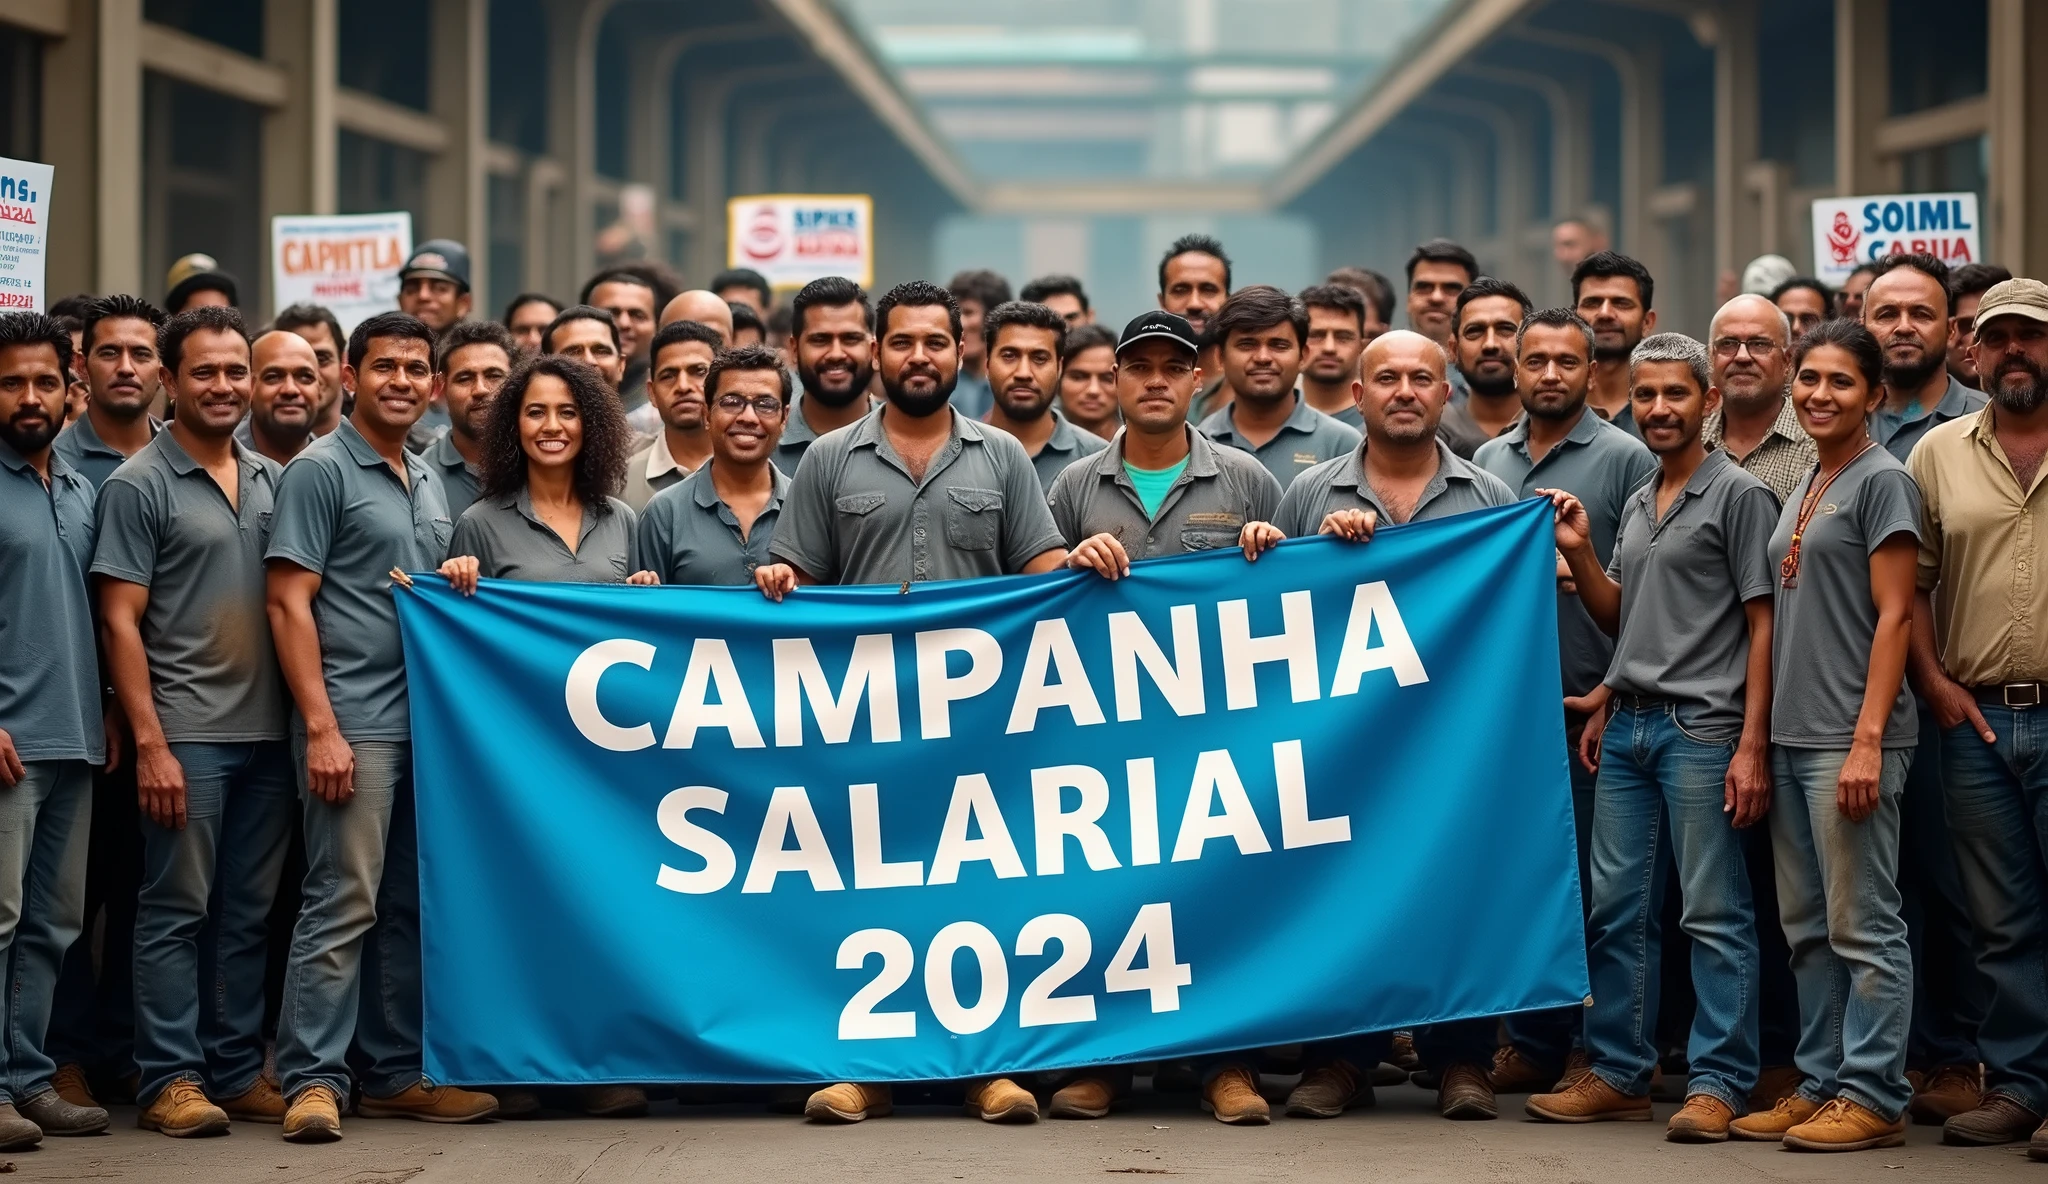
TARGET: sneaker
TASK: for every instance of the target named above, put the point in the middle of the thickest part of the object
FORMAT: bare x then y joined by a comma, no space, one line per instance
848,1102
1843,1125
1769,1126
1589,1099
1703,1119
59,1117
1997,1119
1465,1094
71,1085
259,1103
1576,1067
1233,1097
612,1101
1405,1057
1514,1073
1001,1100
17,1133
1773,1085
1089,1097
1328,1092
430,1103
313,1117
182,1112
1947,1092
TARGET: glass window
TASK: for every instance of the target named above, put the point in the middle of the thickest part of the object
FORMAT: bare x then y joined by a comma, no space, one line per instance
21,94
519,75
387,50
1961,167
200,183
1939,52
237,24
506,198
375,176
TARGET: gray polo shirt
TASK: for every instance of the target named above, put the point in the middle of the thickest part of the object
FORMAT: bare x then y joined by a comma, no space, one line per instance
1067,445
1822,626
797,438
1897,433
1349,416
82,448
510,542
459,483
689,536
1684,580
49,668
1600,465
1220,490
1458,429
1340,484
854,515
1308,438
342,512
165,524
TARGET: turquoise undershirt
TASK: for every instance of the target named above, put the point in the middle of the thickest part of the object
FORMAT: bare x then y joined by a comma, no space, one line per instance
1152,484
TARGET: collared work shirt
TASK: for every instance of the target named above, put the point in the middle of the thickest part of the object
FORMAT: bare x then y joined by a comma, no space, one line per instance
1783,458
510,542
343,513
1601,465
649,471
1684,580
1980,554
49,668
1341,484
1205,509
854,514
688,535
1458,429
460,483
1307,439
1897,432
82,448
1067,445
797,438
245,435
164,523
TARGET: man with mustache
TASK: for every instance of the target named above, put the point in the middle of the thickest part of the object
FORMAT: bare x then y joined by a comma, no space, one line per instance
1979,660
1026,346
832,342
1612,293
1967,285
1483,328
1194,281
284,396
714,527
1260,332
1336,338
473,360
1755,424
51,731
120,368
1910,308
681,358
322,331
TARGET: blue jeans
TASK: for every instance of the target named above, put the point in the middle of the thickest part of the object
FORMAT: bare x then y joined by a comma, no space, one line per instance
1998,818
1838,896
92,1022
45,824
1652,770
1949,992
354,969
1548,1037
210,885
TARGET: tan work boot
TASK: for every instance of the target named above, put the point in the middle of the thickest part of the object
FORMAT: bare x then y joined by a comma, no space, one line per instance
71,1085
1703,1119
612,1101
1589,1099
848,1102
1576,1066
259,1103
1233,1097
1328,1091
1843,1125
313,1117
1770,1125
1947,1092
1089,1097
1465,1094
430,1103
1514,1073
1001,1100
1773,1085
182,1112
1405,1055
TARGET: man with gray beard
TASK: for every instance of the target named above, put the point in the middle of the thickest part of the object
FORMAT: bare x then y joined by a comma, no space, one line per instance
1755,425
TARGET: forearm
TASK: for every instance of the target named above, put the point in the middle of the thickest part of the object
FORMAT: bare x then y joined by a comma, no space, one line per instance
1756,698
128,667
298,657
1887,670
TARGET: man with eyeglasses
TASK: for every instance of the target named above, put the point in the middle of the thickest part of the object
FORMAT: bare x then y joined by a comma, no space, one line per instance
714,526
1751,340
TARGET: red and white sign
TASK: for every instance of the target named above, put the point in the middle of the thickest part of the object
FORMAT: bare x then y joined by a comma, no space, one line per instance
348,262
1849,232
794,238
24,234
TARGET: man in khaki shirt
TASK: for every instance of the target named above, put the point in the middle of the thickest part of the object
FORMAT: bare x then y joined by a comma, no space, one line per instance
1980,658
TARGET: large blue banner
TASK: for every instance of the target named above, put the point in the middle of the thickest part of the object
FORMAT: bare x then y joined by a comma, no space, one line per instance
684,834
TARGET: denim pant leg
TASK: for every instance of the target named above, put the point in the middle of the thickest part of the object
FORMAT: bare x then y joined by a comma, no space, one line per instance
1548,1037
92,1022
1821,978
255,833
1629,864
390,1012
1949,992
1995,801
45,825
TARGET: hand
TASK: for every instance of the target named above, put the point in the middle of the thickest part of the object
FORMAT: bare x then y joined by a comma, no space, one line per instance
330,767
775,580
644,579
11,768
1350,525
1102,554
1257,538
1574,528
1856,785
115,724
1594,707
1953,705
1748,785
160,785
461,572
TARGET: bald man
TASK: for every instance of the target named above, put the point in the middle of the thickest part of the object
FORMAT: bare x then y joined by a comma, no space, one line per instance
1751,340
705,308
284,397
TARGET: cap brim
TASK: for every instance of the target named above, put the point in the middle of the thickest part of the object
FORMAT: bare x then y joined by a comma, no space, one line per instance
2032,312
432,273
1158,335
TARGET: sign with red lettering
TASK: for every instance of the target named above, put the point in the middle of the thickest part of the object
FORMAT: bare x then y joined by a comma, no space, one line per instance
347,262
24,234
1849,232
794,238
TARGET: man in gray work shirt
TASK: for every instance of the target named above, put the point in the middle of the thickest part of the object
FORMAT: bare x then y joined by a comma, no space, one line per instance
471,361
1261,334
715,527
1025,345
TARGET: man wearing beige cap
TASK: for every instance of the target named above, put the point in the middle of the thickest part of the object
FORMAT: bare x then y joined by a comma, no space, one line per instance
1980,659
194,280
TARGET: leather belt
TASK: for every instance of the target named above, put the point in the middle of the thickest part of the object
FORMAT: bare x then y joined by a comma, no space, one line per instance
2018,696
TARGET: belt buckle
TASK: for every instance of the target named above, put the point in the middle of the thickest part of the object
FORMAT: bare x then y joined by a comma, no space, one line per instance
2029,696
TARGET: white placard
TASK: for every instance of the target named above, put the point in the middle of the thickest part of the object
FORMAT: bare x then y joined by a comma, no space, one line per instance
24,234
794,238
348,262
1851,231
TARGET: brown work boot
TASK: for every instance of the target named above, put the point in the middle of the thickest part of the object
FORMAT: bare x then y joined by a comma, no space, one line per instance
71,1085
1769,1126
2037,1147
1089,1097
1465,1094
1947,1092
430,1103
259,1103
1997,1119
848,1102
1405,1056
1589,1099
516,1101
1233,1097
1001,1100
1703,1119
182,1112
1843,1125
1514,1073
1773,1085
314,1116
1576,1066
611,1101
1328,1091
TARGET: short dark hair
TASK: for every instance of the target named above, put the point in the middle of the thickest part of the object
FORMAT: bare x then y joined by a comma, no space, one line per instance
1923,263
1555,318
1851,337
655,279
744,317
984,287
463,334
607,438
746,357
216,318
1259,306
75,305
579,312
1810,284
1975,279
1195,244
118,306
1485,286
1031,315
743,277
1443,250
1085,337
1608,264
832,291
525,298
1342,297
676,331
1054,285
294,317
386,324
1378,292
921,294
34,328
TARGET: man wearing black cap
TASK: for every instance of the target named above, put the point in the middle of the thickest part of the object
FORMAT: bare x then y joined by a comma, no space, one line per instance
194,280
434,283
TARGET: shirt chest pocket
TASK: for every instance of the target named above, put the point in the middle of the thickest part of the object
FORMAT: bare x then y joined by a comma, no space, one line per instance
855,509
263,518
974,518
443,530
1210,532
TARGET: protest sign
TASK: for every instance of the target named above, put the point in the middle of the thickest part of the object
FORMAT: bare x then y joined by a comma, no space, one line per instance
794,238
988,826
24,234
1851,231
348,262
